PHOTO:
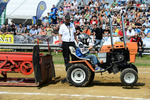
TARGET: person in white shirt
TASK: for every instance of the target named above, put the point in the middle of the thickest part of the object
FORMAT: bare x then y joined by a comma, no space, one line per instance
75,3
143,6
131,32
82,20
147,24
107,6
67,35
117,8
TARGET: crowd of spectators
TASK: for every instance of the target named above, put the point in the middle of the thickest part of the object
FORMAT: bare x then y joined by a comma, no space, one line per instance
87,17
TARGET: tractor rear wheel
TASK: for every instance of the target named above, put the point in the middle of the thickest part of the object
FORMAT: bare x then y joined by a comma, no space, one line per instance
79,75
92,77
129,77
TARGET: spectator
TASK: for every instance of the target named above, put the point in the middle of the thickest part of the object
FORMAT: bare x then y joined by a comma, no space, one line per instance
107,6
49,30
117,8
139,41
116,29
20,30
55,33
87,31
123,2
77,23
130,32
33,31
8,29
114,33
75,3
138,23
82,28
77,16
54,9
87,15
92,7
42,32
39,29
12,26
78,32
120,33
103,3
26,29
3,29
86,23
82,4
106,32
53,16
94,21
147,24
82,21
131,16
143,6
97,4
60,13
62,6
89,3
114,3
119,3
98,33
49,18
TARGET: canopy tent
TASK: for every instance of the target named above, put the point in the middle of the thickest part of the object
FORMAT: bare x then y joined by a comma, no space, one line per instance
26,9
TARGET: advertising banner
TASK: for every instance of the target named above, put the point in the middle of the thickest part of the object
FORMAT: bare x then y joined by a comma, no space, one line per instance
6,38
3,17
3,4
40,9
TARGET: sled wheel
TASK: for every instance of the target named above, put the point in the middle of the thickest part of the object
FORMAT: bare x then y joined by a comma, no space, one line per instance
79,75
129,77
26,68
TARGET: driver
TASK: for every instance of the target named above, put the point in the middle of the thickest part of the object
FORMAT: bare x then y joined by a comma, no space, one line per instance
83,52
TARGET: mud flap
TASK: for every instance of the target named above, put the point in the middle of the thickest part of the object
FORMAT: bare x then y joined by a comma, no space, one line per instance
36,65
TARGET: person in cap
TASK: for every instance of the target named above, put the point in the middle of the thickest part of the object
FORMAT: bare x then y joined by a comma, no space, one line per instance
67,36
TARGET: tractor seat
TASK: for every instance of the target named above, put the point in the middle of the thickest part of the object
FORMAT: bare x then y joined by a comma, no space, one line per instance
73,52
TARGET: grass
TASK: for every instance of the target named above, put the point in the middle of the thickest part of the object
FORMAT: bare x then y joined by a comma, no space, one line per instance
144,61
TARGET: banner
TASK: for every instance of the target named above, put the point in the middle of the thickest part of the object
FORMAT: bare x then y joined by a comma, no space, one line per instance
3,17
40,9
3,4
6,38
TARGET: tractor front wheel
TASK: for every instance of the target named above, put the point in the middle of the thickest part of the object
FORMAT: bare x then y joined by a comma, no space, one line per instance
129,77
79,75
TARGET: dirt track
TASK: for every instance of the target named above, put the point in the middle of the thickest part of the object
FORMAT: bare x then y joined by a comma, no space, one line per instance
105,87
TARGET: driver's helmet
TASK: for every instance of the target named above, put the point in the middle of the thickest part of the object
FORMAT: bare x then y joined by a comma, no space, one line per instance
84,38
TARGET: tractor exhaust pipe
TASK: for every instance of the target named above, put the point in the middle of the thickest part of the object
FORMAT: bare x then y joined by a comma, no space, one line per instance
111,35
123,29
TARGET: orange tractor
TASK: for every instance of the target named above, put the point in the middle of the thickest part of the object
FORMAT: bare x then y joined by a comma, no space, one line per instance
114,58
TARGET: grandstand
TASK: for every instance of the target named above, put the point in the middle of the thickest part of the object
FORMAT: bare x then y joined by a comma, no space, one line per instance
136,13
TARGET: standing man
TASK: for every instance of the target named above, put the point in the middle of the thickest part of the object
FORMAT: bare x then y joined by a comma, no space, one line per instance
98,35
67,35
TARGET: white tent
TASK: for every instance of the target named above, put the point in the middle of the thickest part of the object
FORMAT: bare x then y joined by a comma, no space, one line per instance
26,9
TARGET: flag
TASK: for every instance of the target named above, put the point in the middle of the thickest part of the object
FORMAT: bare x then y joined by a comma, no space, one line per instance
40,9
3,4
3,17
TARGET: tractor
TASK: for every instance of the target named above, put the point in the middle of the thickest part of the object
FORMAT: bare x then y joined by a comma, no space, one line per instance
114,58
